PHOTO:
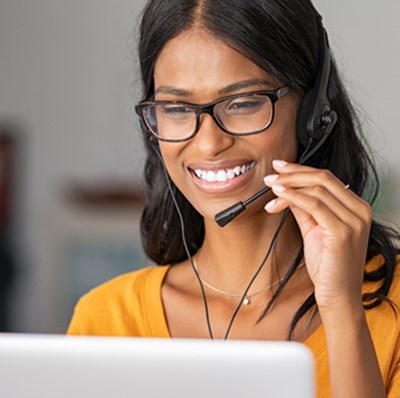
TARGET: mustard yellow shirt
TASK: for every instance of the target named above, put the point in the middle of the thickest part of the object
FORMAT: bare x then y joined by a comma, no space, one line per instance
131,305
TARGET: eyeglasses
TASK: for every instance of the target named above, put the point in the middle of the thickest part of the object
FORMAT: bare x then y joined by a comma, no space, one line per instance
240,114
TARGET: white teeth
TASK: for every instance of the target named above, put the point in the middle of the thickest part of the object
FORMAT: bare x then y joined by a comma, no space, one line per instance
211,176
231,174
223,175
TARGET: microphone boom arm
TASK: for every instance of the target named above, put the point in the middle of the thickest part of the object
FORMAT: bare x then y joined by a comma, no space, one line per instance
226,216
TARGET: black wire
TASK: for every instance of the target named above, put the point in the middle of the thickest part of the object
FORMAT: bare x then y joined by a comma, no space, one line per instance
271,246
305,156
184,241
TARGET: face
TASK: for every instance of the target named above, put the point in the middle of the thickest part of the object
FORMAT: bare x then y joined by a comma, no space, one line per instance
197,68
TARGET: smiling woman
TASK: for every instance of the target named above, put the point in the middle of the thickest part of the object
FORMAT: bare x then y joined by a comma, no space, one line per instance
240,96
206,147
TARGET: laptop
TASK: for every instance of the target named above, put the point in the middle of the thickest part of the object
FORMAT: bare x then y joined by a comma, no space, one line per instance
83,367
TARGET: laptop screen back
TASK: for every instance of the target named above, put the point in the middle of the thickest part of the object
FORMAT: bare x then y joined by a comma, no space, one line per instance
60,366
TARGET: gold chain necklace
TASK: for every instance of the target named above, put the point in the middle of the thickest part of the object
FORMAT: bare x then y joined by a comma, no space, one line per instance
247,298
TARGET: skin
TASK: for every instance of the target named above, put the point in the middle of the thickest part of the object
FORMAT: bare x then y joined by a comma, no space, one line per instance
332,222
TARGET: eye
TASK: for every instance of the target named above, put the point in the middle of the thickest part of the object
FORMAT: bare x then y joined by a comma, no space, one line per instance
246,105
178,110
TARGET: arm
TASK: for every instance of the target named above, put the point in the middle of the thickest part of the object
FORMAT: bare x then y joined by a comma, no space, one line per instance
335,225
353,365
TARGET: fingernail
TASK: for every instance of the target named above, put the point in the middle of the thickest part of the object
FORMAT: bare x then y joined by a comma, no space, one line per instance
270,178
279,163
278,188
270,205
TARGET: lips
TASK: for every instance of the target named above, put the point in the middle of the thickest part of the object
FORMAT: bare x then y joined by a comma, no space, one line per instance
223,175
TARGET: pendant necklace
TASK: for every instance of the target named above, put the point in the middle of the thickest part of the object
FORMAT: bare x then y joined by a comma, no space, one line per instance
247,299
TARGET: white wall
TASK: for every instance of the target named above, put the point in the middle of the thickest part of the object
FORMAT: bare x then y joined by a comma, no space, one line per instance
65,77
365,38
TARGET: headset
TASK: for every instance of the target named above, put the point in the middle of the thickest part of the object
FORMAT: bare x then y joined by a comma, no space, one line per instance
316,118
315,122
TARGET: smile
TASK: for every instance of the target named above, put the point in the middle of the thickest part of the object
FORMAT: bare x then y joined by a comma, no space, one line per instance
223,174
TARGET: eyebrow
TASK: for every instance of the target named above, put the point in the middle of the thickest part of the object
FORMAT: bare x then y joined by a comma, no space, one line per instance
245,84
179,92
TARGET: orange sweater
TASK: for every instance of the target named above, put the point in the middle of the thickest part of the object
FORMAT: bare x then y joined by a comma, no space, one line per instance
131,305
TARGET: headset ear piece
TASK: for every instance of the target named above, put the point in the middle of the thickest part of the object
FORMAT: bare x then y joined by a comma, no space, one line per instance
316,119
303,117
311,124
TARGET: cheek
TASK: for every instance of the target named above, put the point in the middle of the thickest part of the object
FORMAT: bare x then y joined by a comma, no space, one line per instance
170,153
179,175
280,142
286,141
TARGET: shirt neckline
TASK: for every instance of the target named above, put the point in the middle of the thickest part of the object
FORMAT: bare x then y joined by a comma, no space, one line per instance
157,325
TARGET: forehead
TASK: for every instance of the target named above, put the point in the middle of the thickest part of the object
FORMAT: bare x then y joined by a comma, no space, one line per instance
197,62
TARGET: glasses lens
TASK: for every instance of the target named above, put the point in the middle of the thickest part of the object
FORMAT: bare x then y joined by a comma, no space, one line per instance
245,115
170,121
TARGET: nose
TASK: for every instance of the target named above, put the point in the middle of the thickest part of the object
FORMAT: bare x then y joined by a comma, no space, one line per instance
210,140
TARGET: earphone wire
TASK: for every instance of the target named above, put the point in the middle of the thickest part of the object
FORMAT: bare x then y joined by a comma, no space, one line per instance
305,156
308,152
271,246
183,234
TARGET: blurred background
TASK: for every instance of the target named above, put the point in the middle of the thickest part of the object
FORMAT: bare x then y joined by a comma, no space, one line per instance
71,157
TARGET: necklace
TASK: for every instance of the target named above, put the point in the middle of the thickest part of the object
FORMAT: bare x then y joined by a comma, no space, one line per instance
248,297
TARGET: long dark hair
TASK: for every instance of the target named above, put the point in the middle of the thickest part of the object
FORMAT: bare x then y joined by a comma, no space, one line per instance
282,37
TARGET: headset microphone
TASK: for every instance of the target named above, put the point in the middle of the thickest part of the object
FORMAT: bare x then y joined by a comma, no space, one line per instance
315,122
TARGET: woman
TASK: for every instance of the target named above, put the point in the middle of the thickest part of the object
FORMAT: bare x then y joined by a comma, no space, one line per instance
304,261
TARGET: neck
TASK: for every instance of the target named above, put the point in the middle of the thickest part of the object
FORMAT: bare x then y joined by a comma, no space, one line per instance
230,256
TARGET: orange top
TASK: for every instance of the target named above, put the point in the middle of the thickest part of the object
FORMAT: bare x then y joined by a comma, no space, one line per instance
131,305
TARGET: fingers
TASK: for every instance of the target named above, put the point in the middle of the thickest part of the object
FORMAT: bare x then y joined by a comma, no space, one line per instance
311,200
313,189
324,210
334,223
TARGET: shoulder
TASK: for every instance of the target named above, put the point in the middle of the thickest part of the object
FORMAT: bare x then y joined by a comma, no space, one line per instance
125,286
384,319
372,286
394,292
116,307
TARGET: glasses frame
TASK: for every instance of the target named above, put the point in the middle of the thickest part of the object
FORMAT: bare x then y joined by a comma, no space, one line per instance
273,95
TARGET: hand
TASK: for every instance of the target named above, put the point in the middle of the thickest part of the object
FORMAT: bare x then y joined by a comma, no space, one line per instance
334,224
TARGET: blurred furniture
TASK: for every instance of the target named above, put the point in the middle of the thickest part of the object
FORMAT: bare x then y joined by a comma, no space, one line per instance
93,235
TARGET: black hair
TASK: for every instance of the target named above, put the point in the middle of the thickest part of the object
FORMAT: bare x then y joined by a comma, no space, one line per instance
282,37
